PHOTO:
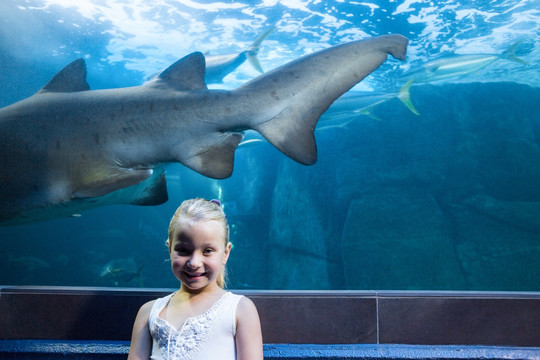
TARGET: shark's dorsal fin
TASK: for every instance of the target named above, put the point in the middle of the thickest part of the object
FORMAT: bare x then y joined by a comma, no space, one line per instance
72,78
185,74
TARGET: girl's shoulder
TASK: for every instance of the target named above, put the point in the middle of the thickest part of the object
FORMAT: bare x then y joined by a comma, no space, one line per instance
245,307
147,307
143,315
248,330
232,295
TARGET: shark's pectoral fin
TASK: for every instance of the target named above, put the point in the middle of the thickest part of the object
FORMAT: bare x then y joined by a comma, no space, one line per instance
217,159
103,182
291,132
152,191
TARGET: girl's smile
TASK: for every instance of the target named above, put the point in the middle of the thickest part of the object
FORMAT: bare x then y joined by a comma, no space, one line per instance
194,275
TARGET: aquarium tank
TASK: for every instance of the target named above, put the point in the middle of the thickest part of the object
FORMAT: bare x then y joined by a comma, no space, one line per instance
427,174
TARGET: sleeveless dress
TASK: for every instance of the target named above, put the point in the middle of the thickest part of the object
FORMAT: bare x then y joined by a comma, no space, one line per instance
209,336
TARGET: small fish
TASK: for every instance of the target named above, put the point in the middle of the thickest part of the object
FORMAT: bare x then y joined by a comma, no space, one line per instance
122,271
364,102
30,263
457,65
219,66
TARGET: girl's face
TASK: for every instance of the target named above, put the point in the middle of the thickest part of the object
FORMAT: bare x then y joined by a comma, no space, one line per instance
198,254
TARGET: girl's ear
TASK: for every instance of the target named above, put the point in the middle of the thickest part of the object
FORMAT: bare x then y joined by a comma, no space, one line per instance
227,252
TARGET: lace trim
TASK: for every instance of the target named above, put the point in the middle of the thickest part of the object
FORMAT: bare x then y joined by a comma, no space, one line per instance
187,342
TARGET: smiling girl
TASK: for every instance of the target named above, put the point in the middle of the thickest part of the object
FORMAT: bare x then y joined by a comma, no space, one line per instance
201,320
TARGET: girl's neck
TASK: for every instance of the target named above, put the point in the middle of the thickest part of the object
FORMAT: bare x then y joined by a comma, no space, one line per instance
207,291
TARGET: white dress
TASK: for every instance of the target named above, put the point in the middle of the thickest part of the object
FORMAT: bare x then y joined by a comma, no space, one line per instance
209,336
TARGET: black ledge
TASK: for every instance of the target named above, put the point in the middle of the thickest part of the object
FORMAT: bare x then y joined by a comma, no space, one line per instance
290,317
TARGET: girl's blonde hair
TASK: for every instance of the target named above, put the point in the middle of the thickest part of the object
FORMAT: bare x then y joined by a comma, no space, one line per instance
195,210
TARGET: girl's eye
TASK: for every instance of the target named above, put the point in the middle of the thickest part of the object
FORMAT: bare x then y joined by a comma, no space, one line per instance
208,251
181,251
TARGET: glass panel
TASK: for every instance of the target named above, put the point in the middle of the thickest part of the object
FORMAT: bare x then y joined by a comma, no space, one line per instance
433,186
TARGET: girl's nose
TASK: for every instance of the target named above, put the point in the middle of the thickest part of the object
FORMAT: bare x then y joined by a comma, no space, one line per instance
194,261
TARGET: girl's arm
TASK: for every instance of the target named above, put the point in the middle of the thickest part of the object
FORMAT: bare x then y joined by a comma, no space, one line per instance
249,344
141,341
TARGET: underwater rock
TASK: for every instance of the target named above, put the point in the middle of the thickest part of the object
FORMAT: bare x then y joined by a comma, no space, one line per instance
298,250
398,238
518,214
495,255
469,138
408,202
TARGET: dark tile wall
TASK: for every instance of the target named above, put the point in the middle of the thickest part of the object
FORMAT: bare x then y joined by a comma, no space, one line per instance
459,320
317,319
41,313
508,319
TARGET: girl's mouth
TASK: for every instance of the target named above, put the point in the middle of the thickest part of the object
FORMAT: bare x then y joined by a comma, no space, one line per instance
193,275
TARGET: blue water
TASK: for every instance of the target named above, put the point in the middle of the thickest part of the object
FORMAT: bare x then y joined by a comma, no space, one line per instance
446,199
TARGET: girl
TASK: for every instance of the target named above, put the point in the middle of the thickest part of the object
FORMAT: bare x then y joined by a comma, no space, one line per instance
201,320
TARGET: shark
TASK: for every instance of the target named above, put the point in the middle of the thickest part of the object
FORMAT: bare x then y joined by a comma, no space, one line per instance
455,65
219,66
67,148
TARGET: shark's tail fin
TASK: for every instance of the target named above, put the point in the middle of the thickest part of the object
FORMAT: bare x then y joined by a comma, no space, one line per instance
404,96
253,50
510,53
289,100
